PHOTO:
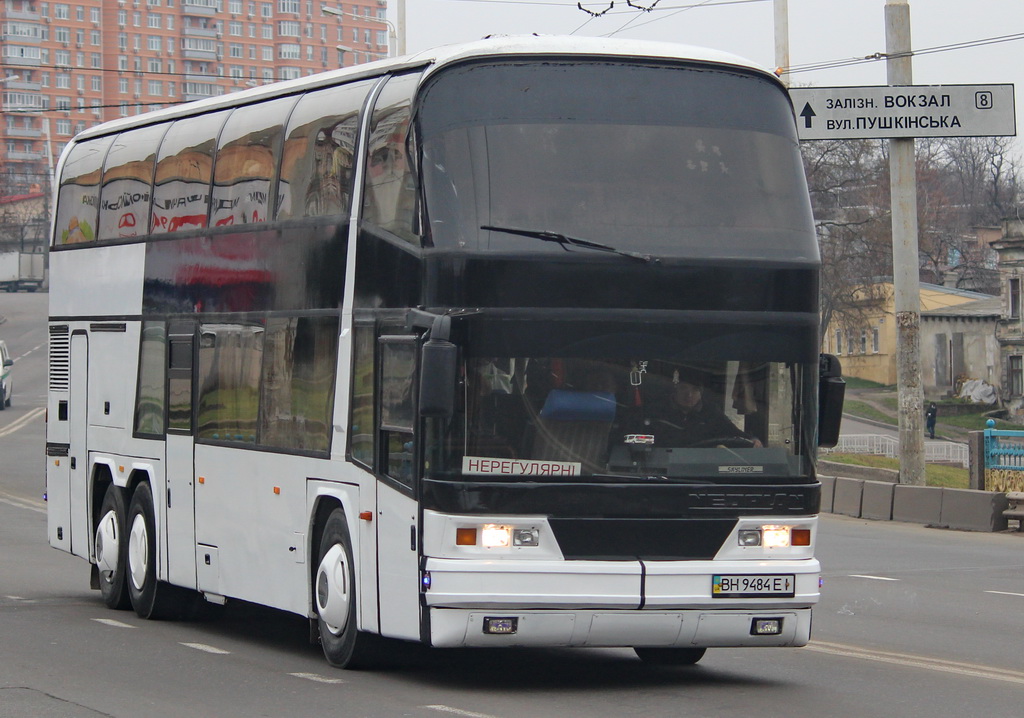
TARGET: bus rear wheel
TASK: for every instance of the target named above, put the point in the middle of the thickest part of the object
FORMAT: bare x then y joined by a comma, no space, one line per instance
669,656
149,597
334,590
110,548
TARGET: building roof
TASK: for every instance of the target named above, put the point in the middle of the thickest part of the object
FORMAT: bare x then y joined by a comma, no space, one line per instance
989,307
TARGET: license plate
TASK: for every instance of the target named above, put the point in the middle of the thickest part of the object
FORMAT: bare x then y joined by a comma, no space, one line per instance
753,586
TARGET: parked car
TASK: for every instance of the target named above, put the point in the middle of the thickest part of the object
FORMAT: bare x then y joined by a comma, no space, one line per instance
6,385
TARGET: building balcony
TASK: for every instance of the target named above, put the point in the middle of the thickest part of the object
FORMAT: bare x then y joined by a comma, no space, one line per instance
24,156
23,16
26,132
199,32
199,55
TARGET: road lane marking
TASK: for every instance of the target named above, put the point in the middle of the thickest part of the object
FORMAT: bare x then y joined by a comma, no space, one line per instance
113,622
1006,593
458,712
972,670
21,502
316,678
22,421
872,578
207,649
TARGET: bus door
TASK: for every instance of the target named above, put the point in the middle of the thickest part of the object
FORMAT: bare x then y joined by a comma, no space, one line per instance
180,460
78,451
397,508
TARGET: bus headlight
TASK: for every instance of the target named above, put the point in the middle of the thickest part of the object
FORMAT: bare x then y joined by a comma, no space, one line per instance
495,536
774,536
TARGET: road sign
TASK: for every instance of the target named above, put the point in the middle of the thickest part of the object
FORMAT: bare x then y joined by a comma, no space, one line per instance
851,113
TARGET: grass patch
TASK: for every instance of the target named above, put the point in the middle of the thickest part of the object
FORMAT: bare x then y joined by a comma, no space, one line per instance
853,382
866,411
951,477
975,422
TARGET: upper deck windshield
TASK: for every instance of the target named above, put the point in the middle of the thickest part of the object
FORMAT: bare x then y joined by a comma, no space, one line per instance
559,419
672,160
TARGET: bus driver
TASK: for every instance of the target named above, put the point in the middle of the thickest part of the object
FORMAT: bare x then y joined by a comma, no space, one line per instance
688,420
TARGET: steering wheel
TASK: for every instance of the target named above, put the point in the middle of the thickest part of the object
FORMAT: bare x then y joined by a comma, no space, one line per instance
729,442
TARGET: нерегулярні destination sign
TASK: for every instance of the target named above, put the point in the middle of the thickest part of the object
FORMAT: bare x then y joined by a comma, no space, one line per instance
848,113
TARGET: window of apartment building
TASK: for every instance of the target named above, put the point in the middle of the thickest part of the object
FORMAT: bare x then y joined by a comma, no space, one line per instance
235,7
80,13
875,341
94,38
63,127
153,43
1015,375
235,28
156,87
153,21
122,62
288,28
291,6
62,12
80,83
62,57
863,341
268,54
266,9
289,52
236,50
172,89
1013,292
268,32
97,83
63,81
62,34
154,65
122,17
94,14
137,19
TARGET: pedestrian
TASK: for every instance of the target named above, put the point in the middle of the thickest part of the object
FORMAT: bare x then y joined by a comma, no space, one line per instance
929,419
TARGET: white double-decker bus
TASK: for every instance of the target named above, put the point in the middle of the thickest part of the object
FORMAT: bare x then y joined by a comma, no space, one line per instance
508,343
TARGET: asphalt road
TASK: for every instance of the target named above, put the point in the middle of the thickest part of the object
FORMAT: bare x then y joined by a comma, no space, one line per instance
914,622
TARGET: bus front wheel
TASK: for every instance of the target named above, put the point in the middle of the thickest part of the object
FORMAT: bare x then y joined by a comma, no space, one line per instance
111,548
334,590
669,656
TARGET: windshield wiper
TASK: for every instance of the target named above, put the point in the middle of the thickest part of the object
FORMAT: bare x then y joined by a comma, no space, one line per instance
566,241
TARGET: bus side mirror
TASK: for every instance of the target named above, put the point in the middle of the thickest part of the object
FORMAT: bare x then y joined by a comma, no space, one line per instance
831,391
438,365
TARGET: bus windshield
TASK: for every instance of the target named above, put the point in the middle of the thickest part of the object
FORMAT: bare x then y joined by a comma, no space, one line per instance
554,418
667,160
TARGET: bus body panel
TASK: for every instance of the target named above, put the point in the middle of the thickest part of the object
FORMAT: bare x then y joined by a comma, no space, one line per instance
98,281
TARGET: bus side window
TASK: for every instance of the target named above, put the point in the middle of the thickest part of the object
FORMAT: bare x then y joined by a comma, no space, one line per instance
127,183
78,199
362,435
318,161
150,401
247,154
389,194
184,170
397,406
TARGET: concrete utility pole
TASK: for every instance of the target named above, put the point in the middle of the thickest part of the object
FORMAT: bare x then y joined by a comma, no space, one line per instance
782,39
905,261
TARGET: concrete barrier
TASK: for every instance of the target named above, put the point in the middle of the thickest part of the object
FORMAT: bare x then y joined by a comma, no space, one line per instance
876,501
847,496
973,510
828,490
917,504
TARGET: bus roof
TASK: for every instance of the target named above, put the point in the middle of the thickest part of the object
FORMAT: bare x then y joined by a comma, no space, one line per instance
435,59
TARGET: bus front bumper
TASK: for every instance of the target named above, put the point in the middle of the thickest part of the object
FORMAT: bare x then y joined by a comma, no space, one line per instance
614,603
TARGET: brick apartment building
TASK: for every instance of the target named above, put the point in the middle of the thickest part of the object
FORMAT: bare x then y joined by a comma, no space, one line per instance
66,66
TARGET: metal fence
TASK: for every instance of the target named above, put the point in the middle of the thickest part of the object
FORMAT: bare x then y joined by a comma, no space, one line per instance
1004,449
935,452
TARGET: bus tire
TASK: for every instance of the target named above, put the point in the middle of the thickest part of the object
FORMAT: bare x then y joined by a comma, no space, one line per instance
111,550
334,591
150,598
669,656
